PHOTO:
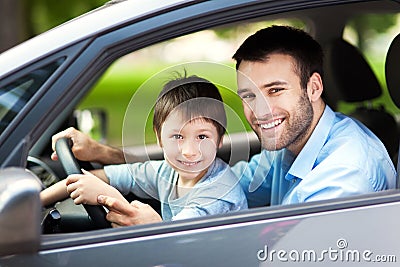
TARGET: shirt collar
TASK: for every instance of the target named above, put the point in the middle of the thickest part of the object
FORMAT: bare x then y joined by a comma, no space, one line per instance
305,161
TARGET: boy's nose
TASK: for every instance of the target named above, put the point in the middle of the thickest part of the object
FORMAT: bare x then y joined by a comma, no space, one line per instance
189,149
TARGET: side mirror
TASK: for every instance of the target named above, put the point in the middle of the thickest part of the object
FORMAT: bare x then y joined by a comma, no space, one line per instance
20,211
92,122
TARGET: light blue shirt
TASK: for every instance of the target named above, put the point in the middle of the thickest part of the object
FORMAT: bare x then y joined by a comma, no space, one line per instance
342,158
218,191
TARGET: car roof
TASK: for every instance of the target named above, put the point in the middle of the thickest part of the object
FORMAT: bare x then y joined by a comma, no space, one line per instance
118,12
105,17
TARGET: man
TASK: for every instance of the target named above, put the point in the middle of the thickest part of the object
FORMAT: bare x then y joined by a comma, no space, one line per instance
318,154
309,152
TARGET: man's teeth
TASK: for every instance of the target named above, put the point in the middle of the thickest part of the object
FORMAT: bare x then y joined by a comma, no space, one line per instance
271,124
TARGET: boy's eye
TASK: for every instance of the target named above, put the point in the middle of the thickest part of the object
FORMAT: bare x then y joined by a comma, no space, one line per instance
202,136
177,136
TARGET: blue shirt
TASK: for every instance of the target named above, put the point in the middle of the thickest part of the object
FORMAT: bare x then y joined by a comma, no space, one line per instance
218,191
341,158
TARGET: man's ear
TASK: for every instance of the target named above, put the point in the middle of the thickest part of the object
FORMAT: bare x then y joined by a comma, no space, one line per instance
315,87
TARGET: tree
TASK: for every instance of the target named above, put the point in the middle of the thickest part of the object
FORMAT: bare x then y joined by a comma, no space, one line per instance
24,19
12,29
368,26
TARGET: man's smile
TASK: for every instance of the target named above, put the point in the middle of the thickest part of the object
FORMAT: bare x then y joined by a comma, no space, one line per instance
270,125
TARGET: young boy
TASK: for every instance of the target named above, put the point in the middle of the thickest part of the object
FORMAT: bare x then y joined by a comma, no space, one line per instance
189,122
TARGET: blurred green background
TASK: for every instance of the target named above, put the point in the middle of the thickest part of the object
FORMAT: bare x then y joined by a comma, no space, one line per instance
26,18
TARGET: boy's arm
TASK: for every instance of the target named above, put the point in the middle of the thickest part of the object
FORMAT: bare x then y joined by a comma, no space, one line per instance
84,188
59,190
54,193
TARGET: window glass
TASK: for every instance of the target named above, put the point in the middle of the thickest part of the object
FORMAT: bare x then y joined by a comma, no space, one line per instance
372,35
15,95
114,91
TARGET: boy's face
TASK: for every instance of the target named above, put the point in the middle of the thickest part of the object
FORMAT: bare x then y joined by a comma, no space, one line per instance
189,146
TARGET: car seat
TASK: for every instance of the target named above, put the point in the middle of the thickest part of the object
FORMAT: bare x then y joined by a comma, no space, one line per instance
393,81
353,81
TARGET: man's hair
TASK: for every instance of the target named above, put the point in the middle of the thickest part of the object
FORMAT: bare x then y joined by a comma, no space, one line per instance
296,43
194,98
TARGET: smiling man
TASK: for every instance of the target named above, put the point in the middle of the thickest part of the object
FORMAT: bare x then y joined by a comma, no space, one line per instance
309,152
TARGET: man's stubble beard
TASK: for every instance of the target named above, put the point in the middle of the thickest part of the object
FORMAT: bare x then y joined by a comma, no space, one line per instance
296,129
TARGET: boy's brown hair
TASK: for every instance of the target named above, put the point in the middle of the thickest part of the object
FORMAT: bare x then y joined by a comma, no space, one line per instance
195,98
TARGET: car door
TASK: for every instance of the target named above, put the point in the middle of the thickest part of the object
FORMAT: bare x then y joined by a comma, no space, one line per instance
351,230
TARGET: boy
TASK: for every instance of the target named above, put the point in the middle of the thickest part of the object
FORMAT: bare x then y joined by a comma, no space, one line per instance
189,122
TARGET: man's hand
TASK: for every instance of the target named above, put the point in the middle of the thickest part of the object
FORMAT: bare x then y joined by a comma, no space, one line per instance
124,214
83,146
87,149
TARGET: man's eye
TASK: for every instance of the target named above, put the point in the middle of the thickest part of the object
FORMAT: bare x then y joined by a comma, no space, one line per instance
275,90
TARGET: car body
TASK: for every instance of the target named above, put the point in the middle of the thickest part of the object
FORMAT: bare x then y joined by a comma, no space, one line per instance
44,79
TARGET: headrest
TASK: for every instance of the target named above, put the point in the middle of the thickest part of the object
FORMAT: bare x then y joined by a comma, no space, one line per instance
353,77
392,70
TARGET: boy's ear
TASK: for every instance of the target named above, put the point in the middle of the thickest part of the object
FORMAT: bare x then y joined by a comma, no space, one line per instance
221,141
159,143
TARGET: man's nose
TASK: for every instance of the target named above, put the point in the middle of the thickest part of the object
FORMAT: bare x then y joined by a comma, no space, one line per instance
261,107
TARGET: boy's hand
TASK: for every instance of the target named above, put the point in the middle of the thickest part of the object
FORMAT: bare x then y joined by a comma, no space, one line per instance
84,188
125,214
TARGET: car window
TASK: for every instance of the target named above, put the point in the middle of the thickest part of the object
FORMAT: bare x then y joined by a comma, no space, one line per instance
126,76
15,95
372,34
361,86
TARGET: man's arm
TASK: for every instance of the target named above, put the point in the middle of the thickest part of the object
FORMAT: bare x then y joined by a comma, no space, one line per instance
253,179
87,149
124,214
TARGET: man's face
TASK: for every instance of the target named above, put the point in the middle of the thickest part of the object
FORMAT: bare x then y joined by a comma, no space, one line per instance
275,105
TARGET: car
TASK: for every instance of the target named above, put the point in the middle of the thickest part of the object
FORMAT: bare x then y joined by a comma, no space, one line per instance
45,81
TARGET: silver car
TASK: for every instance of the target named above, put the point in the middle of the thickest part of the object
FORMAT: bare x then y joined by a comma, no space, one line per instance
45,81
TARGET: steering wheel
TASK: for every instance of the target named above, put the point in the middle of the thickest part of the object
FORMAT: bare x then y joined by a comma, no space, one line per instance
71,166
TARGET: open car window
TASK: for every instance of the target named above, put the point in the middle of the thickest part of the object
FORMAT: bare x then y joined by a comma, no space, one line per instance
122,93
127,80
